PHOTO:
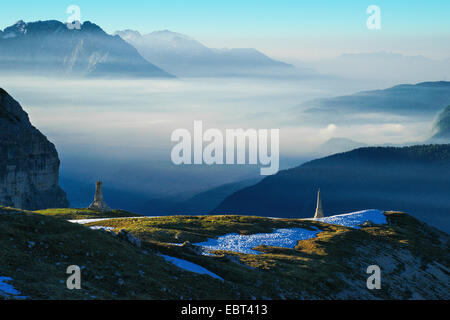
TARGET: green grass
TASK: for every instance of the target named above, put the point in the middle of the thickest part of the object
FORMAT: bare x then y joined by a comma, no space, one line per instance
178,229
35,250
74,214
313,263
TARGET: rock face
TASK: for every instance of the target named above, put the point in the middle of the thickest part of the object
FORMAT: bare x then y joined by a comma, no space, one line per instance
29,163
442,127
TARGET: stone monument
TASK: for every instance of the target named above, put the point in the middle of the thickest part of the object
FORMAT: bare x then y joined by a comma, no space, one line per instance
99,204
319,211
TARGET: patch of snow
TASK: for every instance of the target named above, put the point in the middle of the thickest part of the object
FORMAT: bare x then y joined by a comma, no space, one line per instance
189,266
101,228
7,290
86,221
355,219
285,238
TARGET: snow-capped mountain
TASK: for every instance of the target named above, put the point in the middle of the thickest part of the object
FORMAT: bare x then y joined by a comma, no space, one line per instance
184,56
51,48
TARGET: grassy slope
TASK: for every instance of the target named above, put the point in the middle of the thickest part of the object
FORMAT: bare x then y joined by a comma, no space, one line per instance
73,214
35,250
413,257
324,267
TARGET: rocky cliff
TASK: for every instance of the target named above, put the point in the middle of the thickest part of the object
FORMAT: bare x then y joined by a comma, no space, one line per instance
29,163
442,127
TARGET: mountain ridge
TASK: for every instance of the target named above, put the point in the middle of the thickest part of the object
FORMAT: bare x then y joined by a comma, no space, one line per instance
51,48
421,98
362,178
185,56
384,65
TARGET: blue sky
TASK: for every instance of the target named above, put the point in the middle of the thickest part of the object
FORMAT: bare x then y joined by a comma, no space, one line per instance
285,27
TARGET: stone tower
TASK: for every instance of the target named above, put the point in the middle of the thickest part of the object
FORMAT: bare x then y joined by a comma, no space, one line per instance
319,211
99,204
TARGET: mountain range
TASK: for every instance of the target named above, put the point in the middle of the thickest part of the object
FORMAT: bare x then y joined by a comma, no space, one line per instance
184,56
413,179
338,145
51,48
404,99
384,65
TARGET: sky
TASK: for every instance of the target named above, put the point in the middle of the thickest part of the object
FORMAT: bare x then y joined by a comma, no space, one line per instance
292,29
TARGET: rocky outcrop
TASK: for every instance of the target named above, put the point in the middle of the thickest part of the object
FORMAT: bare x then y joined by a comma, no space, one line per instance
29,163
441,127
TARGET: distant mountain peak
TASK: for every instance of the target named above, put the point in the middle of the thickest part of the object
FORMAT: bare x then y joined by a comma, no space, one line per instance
91,27
17,29
338,145
170,34
20,24
440,84
420,98
50,47
161,34
129,31
185,56
168,37
380,54
165,31
22,28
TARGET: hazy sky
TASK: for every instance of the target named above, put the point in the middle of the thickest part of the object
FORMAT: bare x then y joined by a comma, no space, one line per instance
291,29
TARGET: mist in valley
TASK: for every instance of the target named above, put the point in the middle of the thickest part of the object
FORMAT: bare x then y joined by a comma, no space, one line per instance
118,131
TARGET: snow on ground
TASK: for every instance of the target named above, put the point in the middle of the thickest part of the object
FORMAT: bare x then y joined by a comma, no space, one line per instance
7,290
355,219
189,266
285,238
101,228
86,221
